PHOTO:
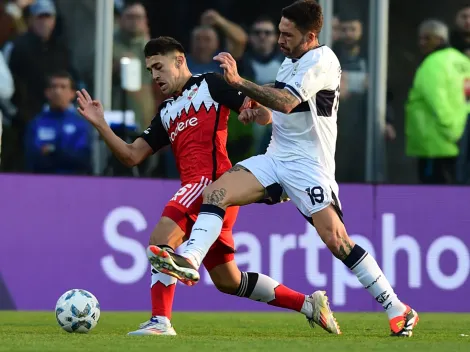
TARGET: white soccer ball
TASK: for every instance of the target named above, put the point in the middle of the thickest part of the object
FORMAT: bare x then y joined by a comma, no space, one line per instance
77,311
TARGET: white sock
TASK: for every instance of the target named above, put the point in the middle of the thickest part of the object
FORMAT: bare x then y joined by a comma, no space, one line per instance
205,232
307,309
373,279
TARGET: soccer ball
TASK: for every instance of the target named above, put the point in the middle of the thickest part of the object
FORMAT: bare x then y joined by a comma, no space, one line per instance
77,311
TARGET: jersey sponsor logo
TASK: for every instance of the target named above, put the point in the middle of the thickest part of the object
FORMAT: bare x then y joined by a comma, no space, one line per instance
181,126
192,93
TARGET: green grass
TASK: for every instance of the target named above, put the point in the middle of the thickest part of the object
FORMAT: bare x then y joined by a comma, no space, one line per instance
38,331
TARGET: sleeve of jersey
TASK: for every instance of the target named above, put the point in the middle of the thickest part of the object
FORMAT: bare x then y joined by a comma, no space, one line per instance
307,79
155,135
223,93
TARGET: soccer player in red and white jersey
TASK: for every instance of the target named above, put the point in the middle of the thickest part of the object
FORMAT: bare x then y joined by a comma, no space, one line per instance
194,121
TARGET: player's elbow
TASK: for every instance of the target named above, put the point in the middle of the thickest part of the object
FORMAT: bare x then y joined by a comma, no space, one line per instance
130,159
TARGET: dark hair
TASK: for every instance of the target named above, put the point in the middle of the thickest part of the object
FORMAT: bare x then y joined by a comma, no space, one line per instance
464,5
163,46
130,3
350,16
306,14
60,74
263,18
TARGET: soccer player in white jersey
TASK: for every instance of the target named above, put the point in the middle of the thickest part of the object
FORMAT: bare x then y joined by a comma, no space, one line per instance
302,107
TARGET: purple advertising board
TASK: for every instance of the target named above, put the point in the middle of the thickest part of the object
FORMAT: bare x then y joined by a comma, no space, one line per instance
59,233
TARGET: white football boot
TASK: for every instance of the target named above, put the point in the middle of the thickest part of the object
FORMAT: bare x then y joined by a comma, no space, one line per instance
322,314
154,326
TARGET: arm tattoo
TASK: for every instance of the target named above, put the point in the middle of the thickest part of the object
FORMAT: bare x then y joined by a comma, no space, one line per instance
273,98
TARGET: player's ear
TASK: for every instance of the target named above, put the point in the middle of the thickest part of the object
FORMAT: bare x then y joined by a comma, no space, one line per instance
311,36
180,61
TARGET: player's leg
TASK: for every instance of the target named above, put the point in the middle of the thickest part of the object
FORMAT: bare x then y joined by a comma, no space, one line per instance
244,184
333,233
228,279
312,193
166,234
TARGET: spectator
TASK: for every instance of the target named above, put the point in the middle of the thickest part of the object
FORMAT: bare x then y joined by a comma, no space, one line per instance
336,31
12,22
58,139
205,42
6,91
34,56
436,110
460,38
352,114
129,41
260,64
262,60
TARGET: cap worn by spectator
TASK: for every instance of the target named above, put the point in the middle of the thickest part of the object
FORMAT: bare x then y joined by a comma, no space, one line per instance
43,7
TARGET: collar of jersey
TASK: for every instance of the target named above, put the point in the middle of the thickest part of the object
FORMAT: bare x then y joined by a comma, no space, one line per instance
187,85
294,60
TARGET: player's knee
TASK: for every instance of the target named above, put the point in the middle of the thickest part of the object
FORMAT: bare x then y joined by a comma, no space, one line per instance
216,195
227,285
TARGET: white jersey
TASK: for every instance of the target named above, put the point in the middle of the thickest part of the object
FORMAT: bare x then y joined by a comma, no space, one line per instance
310,130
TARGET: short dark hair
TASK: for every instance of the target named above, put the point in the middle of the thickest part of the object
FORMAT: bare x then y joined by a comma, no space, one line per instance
163,46
306,14
60,74
263,18
463,5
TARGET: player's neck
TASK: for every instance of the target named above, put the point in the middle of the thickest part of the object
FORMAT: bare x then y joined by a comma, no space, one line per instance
184,79
311,47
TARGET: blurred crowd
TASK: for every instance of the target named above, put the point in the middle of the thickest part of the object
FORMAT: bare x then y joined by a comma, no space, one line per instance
40,69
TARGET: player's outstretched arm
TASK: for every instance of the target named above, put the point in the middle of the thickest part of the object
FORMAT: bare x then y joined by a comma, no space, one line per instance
277,99
129,154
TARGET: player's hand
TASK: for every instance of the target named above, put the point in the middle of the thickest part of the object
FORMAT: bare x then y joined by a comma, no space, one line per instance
90,109
229,65
249,103
247,116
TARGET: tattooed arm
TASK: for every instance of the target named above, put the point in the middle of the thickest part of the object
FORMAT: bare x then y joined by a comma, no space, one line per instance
277,99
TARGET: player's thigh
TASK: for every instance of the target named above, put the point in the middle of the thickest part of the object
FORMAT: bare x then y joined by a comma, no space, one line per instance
306,185
178,216
243,184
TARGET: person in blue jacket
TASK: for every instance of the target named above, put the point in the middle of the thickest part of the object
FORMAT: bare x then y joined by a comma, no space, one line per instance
58,140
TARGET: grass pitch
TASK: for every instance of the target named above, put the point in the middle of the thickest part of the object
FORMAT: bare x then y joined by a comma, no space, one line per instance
364,332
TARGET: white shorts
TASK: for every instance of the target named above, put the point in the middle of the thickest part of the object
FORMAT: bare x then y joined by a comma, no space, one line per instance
303,180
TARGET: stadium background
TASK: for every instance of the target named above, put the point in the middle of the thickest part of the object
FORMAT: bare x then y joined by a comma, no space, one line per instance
90,232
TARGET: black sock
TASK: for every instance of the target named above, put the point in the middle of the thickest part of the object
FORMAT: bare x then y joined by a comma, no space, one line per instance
356,256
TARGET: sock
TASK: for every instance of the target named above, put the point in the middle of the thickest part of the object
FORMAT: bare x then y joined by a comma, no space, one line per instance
262,288
162,292
373,279
205,232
